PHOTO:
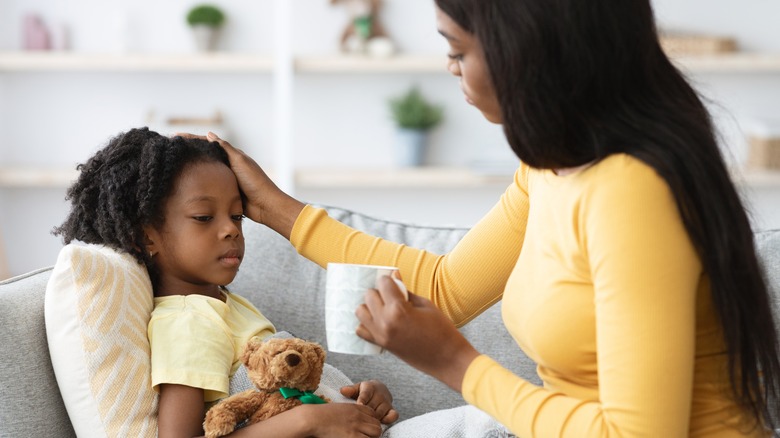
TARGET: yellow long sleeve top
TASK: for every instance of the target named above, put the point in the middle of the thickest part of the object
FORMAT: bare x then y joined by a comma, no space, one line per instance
600,285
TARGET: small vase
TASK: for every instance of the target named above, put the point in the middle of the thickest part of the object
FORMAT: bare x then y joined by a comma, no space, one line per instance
411,145
205,37
36,34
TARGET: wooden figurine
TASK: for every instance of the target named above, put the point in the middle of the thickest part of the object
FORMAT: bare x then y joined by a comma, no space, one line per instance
364,34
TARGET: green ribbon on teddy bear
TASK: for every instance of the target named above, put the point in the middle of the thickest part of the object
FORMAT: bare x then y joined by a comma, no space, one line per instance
306,397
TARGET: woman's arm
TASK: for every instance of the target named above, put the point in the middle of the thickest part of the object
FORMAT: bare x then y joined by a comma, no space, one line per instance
462,284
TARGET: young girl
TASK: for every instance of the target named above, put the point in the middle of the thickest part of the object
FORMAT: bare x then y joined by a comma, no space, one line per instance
174,204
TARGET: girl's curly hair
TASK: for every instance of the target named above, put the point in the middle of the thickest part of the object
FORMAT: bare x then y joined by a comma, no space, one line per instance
123,187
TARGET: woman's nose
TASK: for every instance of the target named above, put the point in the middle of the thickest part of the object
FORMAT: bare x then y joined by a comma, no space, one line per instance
453,67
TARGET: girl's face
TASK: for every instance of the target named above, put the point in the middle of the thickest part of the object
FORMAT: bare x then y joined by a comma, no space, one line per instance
467,62
200,246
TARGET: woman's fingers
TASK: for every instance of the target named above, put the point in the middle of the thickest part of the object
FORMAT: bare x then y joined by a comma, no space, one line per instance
380,312
189,135
389,290
363,313
418,301
229,148
416,331
252,180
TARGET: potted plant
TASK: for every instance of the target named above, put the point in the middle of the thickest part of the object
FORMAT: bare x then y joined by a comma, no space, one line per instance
414,117
205,21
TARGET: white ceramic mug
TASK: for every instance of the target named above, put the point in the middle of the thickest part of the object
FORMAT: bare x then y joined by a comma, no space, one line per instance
345,289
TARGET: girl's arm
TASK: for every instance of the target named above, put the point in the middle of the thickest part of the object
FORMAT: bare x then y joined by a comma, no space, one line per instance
180,411
181,414
331,420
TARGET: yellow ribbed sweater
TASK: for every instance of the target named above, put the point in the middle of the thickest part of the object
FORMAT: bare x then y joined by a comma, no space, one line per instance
601,286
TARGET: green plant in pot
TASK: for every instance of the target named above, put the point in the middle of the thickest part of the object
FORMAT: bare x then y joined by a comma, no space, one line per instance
415,116
205,21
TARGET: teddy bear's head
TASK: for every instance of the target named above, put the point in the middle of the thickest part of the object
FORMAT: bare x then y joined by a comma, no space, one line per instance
291,362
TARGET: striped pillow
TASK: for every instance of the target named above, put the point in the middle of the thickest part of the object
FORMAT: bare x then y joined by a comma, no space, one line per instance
97,307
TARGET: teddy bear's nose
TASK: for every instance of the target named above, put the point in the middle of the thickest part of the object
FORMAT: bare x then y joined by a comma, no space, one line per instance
292,359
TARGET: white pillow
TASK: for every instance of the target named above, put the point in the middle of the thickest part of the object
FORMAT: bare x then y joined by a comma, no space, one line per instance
97,308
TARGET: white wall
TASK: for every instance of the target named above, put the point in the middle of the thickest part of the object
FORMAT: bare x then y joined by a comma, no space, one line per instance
341,120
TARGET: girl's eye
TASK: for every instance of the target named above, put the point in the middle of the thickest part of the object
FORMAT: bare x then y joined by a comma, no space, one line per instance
455,56
238,217
202,218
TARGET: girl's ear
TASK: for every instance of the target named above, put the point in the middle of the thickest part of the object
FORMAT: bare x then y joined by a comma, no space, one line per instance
151,240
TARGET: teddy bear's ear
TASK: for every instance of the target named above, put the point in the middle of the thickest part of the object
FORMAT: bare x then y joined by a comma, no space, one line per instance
320,352
315,354
251,346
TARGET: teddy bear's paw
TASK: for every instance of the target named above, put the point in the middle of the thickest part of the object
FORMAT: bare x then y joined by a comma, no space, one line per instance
216,432
218,424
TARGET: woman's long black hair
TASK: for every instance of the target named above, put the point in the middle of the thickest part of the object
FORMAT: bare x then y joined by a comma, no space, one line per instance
580,80
123,187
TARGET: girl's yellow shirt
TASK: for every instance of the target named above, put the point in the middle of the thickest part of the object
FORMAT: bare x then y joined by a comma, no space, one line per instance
198,340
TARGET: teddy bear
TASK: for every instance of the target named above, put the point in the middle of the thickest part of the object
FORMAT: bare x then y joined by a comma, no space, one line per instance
285,373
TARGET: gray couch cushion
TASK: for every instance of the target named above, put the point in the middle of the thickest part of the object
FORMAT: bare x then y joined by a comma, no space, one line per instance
31,404
295,303
768,248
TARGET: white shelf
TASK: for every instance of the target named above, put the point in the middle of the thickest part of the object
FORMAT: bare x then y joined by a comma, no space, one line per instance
363,64
423,177
757,179
253,63
731,63
35,177
213,62
176,63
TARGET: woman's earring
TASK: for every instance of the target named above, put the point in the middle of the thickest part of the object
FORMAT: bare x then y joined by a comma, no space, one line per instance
151,254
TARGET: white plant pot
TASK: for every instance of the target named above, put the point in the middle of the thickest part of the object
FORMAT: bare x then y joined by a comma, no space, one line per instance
205,37
410,147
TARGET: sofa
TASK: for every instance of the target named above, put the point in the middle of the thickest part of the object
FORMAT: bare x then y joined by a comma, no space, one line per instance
289,290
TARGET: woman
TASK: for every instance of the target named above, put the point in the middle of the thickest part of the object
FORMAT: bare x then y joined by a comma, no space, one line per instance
622,252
